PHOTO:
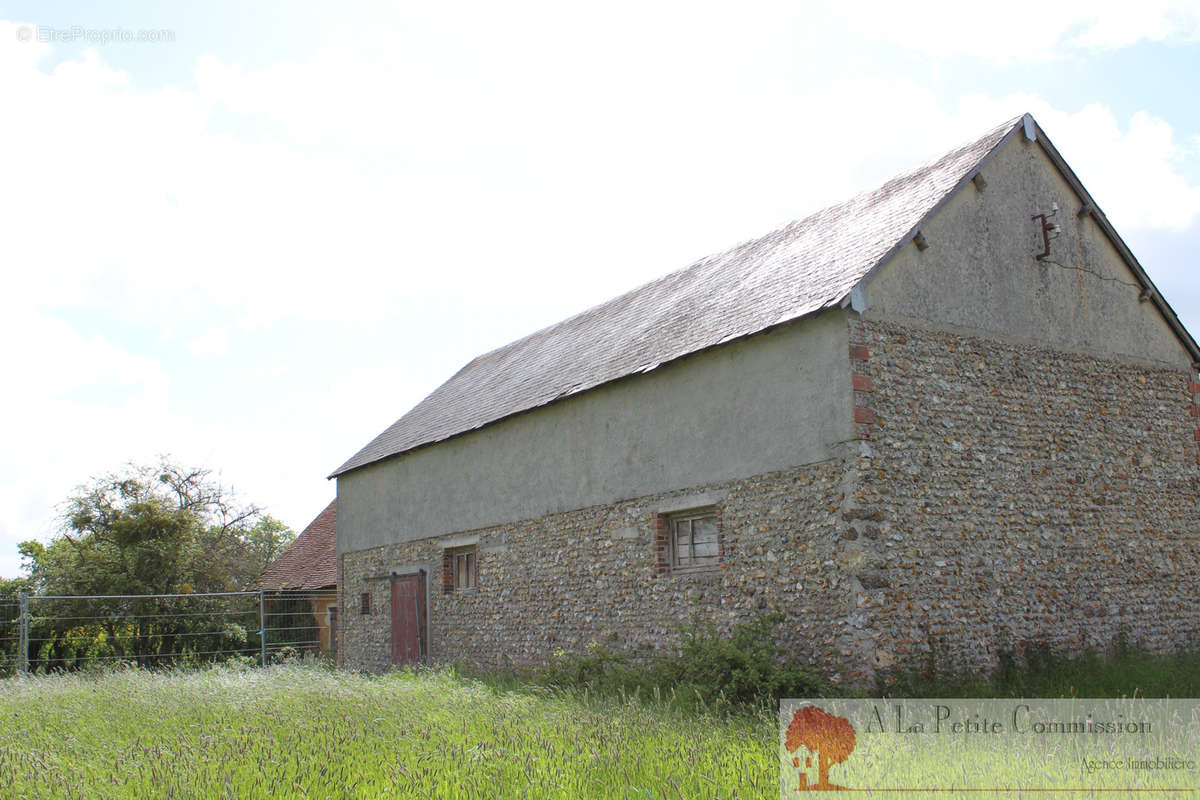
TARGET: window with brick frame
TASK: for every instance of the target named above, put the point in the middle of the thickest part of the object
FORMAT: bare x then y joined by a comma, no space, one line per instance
688,541
364,603
459,569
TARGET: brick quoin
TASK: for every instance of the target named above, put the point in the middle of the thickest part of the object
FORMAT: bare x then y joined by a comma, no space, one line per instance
861,380
661,545
447,573
1194,390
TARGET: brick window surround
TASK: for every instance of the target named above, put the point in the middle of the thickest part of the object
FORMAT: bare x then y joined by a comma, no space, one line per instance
460,568
687,541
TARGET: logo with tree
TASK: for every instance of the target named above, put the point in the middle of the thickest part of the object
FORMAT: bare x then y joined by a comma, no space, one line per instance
830,739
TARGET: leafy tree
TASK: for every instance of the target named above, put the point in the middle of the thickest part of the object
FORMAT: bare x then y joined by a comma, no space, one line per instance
147,530
158,529
10,587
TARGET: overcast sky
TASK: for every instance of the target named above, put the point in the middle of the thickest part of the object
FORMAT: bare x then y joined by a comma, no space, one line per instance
255,236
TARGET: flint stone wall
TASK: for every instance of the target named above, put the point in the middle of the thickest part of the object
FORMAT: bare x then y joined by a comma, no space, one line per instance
1025,494
565,580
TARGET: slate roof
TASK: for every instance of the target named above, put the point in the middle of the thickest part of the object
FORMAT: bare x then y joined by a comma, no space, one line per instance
310,562
803,267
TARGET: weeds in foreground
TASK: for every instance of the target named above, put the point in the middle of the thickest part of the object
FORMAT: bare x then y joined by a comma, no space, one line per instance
304,730
744,670
1039,669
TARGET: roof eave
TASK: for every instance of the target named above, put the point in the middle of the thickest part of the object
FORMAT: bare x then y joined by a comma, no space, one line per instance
1127,255
344,470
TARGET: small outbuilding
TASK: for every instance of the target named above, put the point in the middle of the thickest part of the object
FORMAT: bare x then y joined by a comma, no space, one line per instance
303,584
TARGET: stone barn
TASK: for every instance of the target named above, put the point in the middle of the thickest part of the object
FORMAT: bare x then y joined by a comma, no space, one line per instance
952,410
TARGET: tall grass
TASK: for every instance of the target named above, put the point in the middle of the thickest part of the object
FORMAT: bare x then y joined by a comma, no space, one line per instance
296,730
305,731
1036,669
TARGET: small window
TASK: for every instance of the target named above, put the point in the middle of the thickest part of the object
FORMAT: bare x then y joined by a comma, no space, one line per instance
695,543
364,603
459,569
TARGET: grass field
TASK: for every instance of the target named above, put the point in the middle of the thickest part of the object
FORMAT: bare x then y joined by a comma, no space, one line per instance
304,731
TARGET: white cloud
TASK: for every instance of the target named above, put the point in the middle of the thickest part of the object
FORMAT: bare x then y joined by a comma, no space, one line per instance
71,403
213,342
1120,24
1133,170
1015,32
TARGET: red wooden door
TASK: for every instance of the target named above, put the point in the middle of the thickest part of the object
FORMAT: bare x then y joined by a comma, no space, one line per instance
408,618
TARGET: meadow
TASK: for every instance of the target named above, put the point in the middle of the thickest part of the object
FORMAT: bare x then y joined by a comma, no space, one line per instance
302,730
307,731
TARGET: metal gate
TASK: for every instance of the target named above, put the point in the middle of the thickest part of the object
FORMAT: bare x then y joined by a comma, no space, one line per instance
50,633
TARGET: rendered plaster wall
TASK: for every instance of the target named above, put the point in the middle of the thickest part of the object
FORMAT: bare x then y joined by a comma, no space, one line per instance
750,407
980,272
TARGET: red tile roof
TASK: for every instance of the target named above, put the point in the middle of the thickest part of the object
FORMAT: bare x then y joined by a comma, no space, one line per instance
310,562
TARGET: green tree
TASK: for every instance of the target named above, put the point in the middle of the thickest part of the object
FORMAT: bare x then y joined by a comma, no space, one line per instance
148,529
9,587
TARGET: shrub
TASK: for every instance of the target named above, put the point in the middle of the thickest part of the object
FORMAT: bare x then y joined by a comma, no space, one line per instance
745,668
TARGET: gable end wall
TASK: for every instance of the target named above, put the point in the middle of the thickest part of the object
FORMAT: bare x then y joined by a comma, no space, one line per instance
979,271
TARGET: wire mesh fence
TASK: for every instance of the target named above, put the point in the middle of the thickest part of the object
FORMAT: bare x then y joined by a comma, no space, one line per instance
10,634
42,633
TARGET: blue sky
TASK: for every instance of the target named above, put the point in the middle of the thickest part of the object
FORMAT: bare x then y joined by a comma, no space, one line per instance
257,241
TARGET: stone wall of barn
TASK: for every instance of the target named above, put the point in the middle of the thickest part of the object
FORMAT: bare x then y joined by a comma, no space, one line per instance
565,580
997,492
1011,493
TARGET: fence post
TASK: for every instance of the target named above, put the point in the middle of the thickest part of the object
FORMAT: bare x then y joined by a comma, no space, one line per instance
262,624
23,633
